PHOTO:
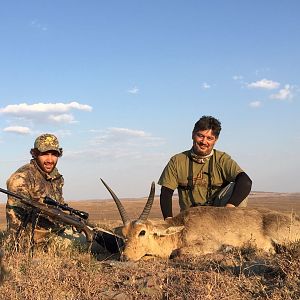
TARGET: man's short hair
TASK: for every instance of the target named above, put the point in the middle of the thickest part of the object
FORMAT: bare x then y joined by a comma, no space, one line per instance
206,123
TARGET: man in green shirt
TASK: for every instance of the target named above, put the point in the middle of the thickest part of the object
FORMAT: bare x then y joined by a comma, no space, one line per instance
203,175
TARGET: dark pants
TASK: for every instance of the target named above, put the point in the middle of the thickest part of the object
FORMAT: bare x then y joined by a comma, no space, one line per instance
224,195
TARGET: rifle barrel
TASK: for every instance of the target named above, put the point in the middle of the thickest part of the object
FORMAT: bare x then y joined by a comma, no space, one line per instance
11,194
56,214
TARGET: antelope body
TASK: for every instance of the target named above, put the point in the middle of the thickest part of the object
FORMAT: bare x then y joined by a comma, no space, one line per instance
206,229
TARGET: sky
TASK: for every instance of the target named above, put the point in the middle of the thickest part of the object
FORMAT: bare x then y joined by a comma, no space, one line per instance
122,83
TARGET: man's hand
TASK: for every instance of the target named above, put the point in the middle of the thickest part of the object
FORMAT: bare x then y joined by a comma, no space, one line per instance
229,205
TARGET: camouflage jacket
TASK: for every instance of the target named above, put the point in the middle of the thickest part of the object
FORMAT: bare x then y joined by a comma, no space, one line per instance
32,183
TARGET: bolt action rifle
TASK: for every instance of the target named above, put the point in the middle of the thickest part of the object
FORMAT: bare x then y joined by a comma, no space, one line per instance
66,215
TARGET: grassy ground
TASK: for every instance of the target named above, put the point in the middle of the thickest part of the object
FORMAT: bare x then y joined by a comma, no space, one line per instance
71,274
59,272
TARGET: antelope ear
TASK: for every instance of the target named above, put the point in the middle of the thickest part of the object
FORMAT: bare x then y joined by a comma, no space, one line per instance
169,231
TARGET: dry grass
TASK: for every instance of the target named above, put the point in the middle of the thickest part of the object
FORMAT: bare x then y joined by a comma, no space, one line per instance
72,274
56,273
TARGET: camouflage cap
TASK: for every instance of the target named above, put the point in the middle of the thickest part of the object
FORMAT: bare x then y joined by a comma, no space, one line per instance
47,142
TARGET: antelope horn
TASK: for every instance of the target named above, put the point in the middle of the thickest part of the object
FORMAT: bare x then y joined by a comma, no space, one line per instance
120,206
144,215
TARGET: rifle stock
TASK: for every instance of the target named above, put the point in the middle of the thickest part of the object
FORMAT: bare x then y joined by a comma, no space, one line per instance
57,215
112,241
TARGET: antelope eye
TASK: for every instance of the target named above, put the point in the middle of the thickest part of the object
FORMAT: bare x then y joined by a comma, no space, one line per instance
142,233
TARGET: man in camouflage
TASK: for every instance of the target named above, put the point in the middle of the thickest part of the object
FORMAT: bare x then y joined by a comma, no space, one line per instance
35,181
203,175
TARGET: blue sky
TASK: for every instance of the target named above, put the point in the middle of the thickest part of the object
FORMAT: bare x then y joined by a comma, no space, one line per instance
121,83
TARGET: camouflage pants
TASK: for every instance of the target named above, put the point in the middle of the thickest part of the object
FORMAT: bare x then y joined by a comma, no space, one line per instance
224,195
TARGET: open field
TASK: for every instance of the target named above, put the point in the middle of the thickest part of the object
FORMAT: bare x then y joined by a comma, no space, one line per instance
70,273
105,211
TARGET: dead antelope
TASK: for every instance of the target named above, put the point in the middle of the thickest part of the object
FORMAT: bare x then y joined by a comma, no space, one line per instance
206,229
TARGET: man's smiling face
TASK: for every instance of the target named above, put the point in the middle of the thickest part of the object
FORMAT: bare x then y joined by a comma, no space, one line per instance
47,160
203,142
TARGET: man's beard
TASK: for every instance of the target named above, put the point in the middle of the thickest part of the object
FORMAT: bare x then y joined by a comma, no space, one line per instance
198,151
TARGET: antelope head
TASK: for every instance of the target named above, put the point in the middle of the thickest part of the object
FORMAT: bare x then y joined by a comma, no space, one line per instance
141,236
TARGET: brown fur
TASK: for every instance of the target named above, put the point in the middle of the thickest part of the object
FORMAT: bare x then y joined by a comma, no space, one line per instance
202,230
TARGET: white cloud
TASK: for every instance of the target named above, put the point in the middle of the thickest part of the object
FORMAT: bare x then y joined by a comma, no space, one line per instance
283,94
17,129
107,154
126,137
29,109
44,112
36,24
116,135
62,133
120,143
264,84
261,71
128,132
237,77
64,118
205,85
135,90
255,104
